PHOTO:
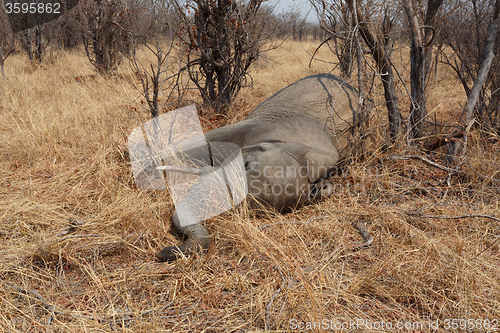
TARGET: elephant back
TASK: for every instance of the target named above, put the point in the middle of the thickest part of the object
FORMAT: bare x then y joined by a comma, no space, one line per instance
324,97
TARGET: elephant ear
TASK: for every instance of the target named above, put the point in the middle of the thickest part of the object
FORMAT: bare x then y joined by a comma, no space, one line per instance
320,163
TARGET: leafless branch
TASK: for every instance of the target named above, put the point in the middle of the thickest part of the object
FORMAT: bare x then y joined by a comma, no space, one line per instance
421,158
457,217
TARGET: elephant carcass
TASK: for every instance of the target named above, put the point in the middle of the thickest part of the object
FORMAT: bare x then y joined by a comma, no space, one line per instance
289,143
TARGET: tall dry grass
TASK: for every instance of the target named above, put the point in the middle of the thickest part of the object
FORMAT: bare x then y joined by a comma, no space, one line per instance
63,156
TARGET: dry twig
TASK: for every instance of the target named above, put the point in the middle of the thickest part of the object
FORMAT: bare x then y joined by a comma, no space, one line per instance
421,158
73,224
265,226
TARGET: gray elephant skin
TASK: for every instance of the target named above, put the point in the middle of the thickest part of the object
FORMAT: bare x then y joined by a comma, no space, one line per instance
290,143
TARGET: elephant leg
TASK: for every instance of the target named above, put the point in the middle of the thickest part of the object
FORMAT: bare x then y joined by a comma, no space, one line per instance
196,238
209,197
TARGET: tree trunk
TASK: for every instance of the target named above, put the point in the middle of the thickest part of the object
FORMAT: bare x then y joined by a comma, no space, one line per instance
5,28
419,63
417,56
361,79
38,51
488,53
2,60
384,68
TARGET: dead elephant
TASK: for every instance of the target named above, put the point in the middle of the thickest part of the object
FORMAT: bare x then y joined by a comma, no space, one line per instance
289,144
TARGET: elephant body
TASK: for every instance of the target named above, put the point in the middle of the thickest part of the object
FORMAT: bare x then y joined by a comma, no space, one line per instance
289,145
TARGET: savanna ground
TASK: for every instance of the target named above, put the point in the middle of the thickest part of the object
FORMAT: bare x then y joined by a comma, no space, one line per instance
63,149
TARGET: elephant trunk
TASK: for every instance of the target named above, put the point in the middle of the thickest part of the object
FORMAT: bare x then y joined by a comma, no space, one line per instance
197,240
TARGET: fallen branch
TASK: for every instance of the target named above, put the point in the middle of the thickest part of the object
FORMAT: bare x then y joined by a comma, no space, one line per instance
367,237
455,217
80,236
423,159
36,294
73,224
484,176
116,318
442,140
463,217
265,226
489,247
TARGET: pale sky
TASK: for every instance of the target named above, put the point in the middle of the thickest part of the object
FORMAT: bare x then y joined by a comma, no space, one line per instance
301,6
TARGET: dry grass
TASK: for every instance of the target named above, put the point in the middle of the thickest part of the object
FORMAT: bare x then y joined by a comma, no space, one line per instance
63,155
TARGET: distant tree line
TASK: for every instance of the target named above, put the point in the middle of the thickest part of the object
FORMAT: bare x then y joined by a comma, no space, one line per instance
104,27
216,42
219,39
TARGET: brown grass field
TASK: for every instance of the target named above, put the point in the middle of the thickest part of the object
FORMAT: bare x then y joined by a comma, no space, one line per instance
434,264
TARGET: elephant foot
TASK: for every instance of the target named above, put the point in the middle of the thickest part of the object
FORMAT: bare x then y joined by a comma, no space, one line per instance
198,240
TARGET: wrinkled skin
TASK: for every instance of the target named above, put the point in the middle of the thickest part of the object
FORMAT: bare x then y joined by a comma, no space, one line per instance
303,127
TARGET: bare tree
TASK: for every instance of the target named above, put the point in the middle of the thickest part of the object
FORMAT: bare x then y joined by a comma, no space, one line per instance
338,23
12,22
347,14
104,41
383,62
422,36
6,38
33,44
162,77
486,62
66,32
5,50
222,40
467,32
376,24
